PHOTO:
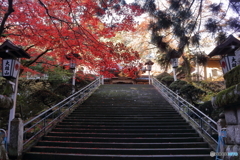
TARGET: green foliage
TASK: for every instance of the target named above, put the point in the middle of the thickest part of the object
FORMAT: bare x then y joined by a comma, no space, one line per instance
212,25
160,76
195,39
191,93
64,90
150,6
167,80
201,58
163,61
227,98
221,37
215,8
211,86
207,108
5,102
232,77
44,97
58,76
177,85
185,68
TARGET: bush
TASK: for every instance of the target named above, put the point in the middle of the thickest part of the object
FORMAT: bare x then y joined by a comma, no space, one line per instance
191,93
177,85
208,109
214,86
64,90
167,80
160,76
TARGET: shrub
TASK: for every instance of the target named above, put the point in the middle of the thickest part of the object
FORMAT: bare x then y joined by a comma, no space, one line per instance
160,76
167,80
191,93
64,90
214,86
177,85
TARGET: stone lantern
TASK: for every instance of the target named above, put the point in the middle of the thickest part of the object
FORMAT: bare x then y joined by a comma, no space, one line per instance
149,64
174,62
229,99
11,56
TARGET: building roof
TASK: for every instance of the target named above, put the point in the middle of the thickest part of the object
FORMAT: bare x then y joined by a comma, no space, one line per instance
14,51
228,47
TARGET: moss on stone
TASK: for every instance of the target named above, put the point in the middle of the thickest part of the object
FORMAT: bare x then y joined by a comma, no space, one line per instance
232,77
227,98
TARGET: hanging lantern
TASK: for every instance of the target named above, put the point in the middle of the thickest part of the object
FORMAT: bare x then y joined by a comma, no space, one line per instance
237,55
174,62
10,68
72,64
149,65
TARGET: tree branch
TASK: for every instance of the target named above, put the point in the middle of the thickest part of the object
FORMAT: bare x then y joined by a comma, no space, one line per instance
39,56
6,15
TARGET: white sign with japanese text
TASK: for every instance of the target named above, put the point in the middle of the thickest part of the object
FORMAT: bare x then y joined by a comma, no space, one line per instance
174,62
228,63
10,68
237,55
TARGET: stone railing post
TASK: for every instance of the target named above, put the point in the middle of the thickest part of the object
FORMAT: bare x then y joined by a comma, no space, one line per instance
15,146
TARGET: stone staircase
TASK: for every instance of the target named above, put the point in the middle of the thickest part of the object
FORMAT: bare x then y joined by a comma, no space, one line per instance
130,122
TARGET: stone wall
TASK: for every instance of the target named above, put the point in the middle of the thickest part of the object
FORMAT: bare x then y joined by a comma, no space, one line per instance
232,117
232,77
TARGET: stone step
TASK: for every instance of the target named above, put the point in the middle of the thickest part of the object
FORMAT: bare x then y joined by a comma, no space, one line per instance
124,120
125,151
104,130
123,117
122,134
123,145
123,124
70,156
123,139
74,125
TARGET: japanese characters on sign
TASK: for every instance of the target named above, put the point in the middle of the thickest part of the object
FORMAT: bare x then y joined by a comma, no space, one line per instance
228,63
237,55
10,68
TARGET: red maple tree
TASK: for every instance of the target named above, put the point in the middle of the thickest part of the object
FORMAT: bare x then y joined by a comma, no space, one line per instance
50,30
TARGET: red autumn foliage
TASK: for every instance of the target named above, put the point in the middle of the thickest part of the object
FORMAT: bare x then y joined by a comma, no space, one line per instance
50,30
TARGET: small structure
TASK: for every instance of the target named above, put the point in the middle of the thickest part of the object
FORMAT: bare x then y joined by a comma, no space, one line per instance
213,69
227,52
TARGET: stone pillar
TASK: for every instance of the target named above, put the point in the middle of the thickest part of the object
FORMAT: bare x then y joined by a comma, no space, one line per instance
232,116
15,146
